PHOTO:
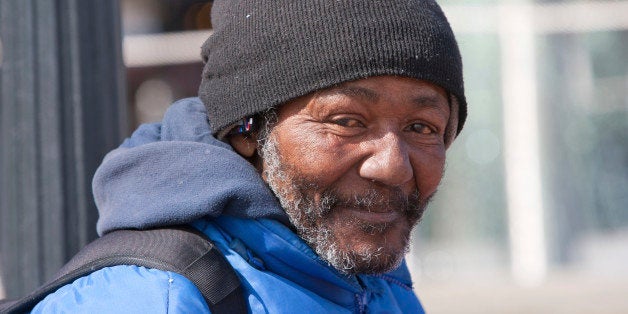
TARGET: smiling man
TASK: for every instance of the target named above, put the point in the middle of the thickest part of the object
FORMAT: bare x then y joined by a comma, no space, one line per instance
374,156
317,142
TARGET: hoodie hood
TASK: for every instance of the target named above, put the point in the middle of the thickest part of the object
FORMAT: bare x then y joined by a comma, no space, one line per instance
175,172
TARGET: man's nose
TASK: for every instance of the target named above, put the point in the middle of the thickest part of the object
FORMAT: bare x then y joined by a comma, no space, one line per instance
388,161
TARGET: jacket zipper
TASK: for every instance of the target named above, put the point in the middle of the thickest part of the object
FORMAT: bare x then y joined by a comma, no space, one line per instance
360,300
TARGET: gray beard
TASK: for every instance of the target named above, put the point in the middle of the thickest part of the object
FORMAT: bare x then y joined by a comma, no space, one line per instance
308,214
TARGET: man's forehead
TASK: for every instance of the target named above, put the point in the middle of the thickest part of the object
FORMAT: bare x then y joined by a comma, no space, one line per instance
374,89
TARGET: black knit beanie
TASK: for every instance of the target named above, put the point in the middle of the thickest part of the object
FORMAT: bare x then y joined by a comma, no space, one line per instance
263,53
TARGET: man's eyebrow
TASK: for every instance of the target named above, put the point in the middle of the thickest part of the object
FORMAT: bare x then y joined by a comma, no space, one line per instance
432,103
428,101
357,91
422,101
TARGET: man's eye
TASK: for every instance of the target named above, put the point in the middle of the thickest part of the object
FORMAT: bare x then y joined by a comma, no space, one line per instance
348,122
421,128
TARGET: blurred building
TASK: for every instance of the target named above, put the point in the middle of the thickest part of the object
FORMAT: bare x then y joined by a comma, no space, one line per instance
533,212
162,41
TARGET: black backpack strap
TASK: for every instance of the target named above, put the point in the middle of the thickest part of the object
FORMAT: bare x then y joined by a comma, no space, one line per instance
183,250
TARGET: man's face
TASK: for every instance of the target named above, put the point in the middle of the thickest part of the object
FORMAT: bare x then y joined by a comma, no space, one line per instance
355,165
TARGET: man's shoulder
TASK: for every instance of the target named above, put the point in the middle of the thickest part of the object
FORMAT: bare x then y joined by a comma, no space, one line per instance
128,289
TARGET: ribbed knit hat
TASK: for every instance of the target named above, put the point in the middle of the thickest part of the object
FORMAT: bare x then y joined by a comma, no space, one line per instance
263,53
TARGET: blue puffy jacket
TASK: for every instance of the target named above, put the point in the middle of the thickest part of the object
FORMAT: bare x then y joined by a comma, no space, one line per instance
279,273
175,172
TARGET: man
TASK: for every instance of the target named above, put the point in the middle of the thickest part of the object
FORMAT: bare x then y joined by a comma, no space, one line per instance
344,109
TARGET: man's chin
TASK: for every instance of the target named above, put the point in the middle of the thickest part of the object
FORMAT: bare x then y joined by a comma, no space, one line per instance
373,260
379,265
364,247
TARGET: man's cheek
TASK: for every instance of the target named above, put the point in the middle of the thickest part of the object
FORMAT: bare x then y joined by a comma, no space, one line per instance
428,176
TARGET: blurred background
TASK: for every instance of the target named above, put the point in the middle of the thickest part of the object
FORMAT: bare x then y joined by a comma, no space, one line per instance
532,215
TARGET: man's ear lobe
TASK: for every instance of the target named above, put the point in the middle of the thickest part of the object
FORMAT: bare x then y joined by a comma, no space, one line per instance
244,144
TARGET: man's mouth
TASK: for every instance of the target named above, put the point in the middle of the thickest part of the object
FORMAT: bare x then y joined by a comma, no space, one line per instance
383,215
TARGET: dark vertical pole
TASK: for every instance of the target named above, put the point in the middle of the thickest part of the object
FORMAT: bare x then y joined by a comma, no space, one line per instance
61,109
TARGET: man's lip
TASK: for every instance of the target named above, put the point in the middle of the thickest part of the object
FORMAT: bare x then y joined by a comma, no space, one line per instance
375,216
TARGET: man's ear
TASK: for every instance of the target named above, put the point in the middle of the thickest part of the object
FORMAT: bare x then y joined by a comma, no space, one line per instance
244,144
452,124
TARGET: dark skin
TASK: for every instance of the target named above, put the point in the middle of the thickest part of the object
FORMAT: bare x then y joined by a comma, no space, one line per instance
381,133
